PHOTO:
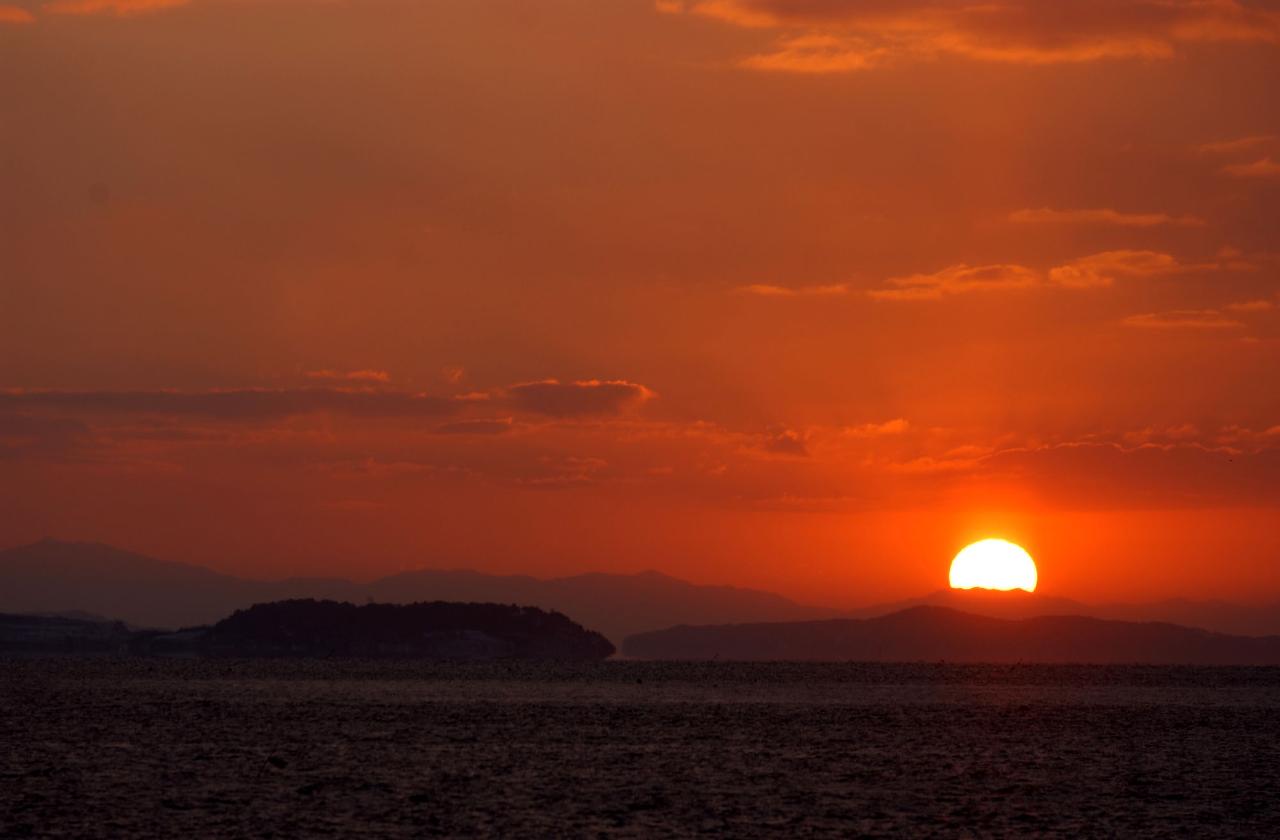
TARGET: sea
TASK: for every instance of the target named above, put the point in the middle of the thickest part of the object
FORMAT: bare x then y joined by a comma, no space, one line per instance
219,748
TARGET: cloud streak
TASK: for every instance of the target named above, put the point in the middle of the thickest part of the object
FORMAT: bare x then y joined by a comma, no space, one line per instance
1239,144
787,442
553,398
15,15
1094,271
117,8
1102,216
1183,319
23,437
235,404
840,36
547,398
763,290
372,376
957,280
1105,268
1263,168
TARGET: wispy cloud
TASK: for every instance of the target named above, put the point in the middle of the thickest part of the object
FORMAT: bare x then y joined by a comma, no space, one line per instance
1091,272
839,36
498,426
818,54
897,426
1250,306
1102,216
1103,269
119,8
350,375
786,442
235,404
1239,144
15,15
548,398
763,290
956,280
1262,168
1183,319
584,397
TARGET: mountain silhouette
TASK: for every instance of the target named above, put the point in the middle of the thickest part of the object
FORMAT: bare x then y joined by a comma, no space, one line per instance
54,577
65,578
1219,616
941,634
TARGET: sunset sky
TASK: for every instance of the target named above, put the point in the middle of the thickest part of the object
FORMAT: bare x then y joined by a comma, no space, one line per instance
798,295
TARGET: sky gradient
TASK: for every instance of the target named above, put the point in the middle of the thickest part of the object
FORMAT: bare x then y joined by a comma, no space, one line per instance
800,295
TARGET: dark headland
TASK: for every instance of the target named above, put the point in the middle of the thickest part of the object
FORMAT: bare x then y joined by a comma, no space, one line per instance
930,634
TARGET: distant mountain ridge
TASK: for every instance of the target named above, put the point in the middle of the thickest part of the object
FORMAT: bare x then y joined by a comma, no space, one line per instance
55,577
1218,616
931,634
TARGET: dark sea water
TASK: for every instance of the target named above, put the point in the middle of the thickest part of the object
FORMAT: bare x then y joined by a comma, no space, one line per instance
153,748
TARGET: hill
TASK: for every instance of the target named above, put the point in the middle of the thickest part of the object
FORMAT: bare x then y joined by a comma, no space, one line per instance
309,628
436,630
942,634
1219,616
53,577
67,578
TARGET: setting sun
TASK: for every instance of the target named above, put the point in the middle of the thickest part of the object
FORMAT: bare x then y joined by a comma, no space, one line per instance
993,564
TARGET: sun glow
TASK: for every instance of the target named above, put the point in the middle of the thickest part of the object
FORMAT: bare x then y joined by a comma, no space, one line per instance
994,564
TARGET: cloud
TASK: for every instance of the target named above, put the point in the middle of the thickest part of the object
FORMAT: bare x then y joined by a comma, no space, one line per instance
1240,144
1088,475
555,472
956,279
835,36
818,54
1250,306
786,442
1102,216
1094,271
571,399
498,426
238,404
22,436
1150,434
15,15
1263,168
1103,269
118,8
1183,319
350,375
896,426
794,291
549,398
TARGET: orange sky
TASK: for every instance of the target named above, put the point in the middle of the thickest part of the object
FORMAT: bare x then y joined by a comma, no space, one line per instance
801,295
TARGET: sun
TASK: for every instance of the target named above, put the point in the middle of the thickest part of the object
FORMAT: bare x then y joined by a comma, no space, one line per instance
994,564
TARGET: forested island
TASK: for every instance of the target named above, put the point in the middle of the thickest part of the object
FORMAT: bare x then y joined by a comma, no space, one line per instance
310,628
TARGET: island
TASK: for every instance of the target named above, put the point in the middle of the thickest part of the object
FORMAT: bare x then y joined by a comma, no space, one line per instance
311,628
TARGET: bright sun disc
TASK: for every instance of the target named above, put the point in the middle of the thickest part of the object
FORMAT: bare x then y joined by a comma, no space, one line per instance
993,564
